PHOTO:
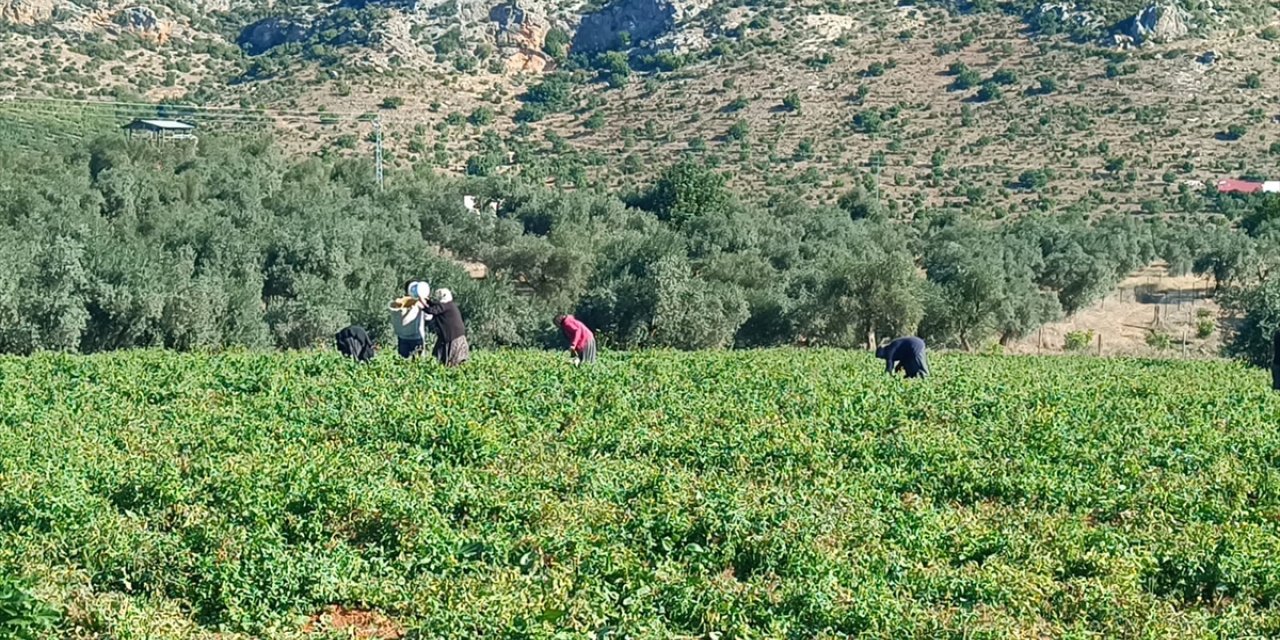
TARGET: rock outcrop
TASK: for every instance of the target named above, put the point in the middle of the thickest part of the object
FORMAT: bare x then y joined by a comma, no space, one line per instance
519,27
1067,14
145,22
624,23
1158,23
268,33
138,19
26,12
521,34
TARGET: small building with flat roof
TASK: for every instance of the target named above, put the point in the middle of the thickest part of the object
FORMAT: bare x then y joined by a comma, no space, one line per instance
161,129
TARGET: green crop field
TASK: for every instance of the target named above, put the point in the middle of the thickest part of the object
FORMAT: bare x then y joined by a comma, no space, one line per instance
765,494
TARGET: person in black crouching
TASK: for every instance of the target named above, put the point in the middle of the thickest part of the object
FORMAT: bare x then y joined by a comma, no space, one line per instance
906,354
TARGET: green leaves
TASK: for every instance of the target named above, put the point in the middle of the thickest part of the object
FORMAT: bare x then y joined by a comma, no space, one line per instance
766,493
22,616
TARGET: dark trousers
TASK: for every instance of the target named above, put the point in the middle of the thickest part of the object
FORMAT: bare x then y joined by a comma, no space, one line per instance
408,348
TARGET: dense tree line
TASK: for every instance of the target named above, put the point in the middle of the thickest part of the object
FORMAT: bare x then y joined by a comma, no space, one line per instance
234,243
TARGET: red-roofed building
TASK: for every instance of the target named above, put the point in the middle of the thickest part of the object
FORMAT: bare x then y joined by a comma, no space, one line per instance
1238,186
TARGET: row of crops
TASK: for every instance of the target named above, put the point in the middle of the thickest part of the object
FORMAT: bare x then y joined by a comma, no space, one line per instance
756,494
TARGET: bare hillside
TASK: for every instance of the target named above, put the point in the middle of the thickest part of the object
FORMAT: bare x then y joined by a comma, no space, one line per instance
924,107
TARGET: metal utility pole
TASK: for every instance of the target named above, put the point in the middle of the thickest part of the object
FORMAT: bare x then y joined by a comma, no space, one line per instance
377,134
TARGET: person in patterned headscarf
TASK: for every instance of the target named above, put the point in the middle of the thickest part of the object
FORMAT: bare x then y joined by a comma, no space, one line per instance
452,348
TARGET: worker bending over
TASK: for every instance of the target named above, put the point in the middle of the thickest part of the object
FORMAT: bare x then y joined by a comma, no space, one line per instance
906,354
582,343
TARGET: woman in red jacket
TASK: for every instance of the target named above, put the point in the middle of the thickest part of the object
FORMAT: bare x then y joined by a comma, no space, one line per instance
582,343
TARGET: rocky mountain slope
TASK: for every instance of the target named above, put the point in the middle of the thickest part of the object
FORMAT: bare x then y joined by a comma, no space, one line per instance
993,109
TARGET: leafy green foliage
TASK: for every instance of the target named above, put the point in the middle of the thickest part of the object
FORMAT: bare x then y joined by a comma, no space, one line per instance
1159,340
988,92
615,67
481,117
711,492
869,121
1258,307
1035,178
121,245
791,102
1005,77
861,205
687,191
22,616
554,93
1116,70
966,79
556,44
1078,340
1205,327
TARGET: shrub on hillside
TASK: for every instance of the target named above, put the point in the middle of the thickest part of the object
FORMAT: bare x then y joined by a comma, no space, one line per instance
965,80
481,117
1159,340
553,93
556,43
791,102
1205,327
1233,132
869,121
988,92
1078,340
1033,179
1005,77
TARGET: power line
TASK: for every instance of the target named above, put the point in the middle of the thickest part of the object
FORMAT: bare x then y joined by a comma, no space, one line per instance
175,106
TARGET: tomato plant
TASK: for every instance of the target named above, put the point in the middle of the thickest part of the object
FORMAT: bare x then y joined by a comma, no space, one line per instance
753,494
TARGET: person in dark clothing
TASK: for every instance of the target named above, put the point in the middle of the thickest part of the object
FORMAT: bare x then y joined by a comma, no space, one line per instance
452,348
353,342
906,354
1275,361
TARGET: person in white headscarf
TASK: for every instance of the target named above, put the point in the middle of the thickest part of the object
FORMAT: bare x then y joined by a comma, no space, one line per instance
452,348
408,318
